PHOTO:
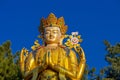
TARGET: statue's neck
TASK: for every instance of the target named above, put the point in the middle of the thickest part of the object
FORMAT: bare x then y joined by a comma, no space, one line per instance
52,45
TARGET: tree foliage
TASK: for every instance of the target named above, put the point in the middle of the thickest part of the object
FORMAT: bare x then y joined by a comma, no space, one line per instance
112,71
9,70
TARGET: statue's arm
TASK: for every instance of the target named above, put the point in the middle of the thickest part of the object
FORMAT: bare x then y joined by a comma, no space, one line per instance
30,63
73,63
77,69
82,64
63,70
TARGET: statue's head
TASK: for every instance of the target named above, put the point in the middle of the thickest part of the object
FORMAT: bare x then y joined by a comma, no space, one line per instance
52,29
52,34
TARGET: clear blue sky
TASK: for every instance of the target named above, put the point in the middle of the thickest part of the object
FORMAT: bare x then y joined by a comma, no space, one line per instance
95,20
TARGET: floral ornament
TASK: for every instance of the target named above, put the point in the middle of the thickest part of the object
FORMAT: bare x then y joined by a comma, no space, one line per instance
36,45
73,40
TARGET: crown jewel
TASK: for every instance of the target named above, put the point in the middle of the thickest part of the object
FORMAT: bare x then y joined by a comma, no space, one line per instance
53,21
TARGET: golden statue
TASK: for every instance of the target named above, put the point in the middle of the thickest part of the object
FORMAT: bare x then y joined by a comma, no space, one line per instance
53,60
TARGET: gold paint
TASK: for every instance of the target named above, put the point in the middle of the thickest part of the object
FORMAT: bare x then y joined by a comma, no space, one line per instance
54,22
53,60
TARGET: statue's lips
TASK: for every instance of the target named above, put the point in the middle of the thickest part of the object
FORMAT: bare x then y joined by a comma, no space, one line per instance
51,37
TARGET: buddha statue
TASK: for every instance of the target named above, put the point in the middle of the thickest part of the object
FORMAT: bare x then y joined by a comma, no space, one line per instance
53,60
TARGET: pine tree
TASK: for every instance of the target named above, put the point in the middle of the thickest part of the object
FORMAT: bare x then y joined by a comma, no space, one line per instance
95,76
90,74
112,72
8,69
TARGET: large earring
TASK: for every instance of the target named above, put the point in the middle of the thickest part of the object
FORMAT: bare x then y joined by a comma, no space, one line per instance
61,39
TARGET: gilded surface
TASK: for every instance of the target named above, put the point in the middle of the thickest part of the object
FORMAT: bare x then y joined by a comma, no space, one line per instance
53,60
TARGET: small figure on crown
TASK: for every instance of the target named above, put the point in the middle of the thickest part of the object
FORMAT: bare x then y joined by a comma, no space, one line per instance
53,60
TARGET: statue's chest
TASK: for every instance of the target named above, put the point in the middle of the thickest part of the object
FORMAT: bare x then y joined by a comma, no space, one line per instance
56,56
52,55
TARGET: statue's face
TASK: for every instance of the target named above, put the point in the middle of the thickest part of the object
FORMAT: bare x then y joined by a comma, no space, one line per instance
52,34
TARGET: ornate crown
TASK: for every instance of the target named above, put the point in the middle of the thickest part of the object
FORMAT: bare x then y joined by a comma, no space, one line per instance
52,21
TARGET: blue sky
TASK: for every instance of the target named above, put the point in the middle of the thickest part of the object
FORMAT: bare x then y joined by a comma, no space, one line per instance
95,20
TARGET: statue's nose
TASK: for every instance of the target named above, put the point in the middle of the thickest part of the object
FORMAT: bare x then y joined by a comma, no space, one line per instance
51,34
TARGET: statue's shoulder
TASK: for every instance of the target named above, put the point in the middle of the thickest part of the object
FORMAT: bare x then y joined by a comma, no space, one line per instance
69,52
40,47
38,50
66,49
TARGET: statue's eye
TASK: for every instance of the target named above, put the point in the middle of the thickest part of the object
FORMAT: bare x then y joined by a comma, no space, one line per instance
47,32
55,32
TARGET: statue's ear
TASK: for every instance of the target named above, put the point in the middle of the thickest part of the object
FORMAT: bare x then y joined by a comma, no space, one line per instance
61,39
62,36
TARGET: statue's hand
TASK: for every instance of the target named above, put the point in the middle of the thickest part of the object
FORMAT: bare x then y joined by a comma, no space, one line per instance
23,54
82,55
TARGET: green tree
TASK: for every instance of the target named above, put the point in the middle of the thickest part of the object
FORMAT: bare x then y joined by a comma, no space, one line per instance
112,71
9,70
90,74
